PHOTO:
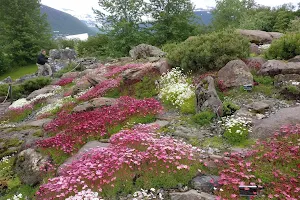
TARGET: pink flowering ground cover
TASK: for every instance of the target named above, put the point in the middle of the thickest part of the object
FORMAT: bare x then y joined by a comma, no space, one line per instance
64,81
273,164
137,158
75,129
100,89
115,70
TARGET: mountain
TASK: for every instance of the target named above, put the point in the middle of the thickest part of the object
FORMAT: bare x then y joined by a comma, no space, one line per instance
65,24
205,15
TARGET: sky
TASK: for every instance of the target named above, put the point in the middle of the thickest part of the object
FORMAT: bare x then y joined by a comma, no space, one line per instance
85,6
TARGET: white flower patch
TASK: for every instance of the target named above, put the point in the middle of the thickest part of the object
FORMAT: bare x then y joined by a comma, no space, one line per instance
296,83
230,121
85,195
19,103
42,96
147,194
17,197
58,104
174,88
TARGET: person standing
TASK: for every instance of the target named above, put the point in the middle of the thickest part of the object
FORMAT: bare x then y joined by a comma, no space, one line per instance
42,62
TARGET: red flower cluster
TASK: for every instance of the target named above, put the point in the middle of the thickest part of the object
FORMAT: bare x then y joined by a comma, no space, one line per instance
100,89
133,154
274,164
64,81
76,128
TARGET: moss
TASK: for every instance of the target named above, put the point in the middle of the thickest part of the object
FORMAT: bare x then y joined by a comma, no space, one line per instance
214,142
38,133
8,148
229,108
146,88
203,118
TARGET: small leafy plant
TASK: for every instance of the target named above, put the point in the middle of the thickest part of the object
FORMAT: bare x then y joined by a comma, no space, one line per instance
203,118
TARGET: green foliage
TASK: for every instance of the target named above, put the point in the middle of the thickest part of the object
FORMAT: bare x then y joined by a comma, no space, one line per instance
189,106
24,31
293,89
35,84
4,62
171,22
96,46
265,80
66,69
146,88
209,51
63,43
203,118
294,25
113,93
285,48
229,108
7,147
17,91
236,134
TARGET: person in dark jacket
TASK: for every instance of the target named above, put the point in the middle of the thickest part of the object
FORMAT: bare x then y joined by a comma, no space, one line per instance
42,63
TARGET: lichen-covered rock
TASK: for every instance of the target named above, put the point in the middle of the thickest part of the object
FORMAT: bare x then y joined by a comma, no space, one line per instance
145,51
235,73
62,54
103,101
207,97
260,37
134,75
295,59
205,183
71,75
28,166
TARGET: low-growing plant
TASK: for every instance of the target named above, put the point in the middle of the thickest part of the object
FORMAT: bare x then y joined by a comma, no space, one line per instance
209,51
146,88
35,84
203,118
229,108
265,80
189,106
236,129
287,47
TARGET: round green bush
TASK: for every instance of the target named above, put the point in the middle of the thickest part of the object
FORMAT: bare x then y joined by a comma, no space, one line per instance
285,48
209,51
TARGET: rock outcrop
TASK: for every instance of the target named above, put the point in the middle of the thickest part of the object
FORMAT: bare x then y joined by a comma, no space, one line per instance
207,97
205,183
235,73
29,165
265,128
145,51
275,67
44,90
260,37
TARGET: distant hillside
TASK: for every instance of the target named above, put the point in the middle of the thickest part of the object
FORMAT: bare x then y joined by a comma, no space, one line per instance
65,23
205,15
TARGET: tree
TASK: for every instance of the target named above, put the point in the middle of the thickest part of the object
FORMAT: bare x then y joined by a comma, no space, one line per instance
228,13
24,31
173,20
121,20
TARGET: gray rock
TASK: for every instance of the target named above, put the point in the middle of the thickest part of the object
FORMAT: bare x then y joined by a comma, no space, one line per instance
145,51
235,73
87,147
266,128
28,165
255,63
191,195
71,75
7,80
39,123
295,59
287,79
259,106
254,49
95,79
207,97
62,54
47,89
275,67
205,183
162,123
86,106
103,101
26,77
260,37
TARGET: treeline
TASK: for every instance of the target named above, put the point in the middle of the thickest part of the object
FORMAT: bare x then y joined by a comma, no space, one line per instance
162,23
173,21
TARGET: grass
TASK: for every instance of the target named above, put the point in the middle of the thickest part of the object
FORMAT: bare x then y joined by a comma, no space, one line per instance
18,72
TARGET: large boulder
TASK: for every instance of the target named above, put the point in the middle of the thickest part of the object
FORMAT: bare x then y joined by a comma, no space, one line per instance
103,101
162,66
265,128
235,73
62,54
134,75
207,97
29,165
95,79
86,148
191,195
44,90
260,37
254,48
145,51
275,67
295,59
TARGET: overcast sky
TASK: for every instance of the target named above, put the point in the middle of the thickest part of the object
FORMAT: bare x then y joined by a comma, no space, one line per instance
85,6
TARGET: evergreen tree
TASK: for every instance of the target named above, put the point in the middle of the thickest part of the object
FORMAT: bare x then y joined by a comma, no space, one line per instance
24,31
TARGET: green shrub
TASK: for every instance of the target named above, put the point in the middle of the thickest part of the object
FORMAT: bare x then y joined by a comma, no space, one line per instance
209,51
229,108
265,80
203,118
285,48
189,106
236,134
35,84
4,62
293,89
95,46
146,88
17,91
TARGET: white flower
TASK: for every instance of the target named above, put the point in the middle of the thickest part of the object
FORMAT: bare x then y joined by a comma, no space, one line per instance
19,103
